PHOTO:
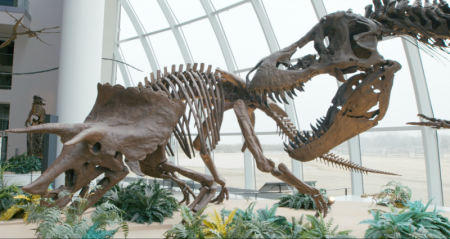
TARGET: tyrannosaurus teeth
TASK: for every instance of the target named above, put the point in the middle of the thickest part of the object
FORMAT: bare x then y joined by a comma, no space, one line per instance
251,95
258,97
318,126
303,139
308,136
283,96
298,141
293,145
293,92
289,94
271,97
300,88
264,99
313,128
320,121
278,97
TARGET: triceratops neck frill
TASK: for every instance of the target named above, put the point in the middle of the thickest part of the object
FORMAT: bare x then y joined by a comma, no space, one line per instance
117,105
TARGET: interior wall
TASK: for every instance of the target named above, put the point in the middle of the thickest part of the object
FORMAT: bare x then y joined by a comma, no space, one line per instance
32,55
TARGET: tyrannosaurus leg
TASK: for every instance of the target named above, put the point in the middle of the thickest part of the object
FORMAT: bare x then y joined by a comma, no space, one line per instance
268,166
432,122
212,168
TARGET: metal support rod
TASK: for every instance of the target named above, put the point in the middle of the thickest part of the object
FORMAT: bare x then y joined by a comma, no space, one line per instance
176,31
123,68
297,167
220,35
248,172
140,31
429,135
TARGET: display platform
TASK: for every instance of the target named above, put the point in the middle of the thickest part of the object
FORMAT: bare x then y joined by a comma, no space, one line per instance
347,212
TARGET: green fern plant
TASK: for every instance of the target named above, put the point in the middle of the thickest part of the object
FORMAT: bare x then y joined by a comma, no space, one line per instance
412,222
22,164
297,200
192,226
395,194
8,191
317,228
142,203
51,224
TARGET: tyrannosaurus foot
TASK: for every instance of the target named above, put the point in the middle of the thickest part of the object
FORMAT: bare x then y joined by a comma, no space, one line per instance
432,122
222,195
321,204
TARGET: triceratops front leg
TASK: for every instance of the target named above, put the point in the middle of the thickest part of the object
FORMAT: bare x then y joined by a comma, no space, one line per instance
151,166
432,122
268,166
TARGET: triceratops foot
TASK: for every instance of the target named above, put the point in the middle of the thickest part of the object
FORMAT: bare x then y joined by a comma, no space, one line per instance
186,190
222,195
432,122
203,198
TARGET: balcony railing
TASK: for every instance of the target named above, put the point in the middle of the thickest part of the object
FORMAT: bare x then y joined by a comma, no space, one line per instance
16,3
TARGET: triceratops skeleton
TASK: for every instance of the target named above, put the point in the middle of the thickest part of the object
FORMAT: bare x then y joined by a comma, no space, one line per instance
137,122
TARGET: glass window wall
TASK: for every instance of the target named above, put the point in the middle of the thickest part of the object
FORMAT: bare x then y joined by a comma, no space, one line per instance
399,151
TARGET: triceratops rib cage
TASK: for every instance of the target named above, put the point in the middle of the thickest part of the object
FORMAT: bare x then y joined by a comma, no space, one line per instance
288,129
204,98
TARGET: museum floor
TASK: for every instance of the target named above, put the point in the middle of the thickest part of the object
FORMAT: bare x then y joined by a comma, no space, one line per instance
347,212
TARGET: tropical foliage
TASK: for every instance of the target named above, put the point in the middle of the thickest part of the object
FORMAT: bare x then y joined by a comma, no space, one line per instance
395,194
247,224
192,226
22,164
51,224
411,222
297,200
7,193
15,208
142,203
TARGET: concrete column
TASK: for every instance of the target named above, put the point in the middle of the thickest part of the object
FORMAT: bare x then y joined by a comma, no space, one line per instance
80,61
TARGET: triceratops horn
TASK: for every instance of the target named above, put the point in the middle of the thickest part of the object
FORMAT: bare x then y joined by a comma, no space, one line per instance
50,128
92,134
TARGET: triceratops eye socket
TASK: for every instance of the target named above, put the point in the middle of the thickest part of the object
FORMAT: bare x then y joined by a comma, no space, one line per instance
97,147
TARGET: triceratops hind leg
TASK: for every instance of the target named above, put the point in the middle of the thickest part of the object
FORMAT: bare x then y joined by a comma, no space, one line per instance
207,191
268,166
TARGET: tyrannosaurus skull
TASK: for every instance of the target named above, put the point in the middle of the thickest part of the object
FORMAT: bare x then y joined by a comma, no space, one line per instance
352,46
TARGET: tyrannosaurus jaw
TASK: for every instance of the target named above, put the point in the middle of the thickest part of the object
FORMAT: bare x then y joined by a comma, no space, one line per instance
352,48
352,113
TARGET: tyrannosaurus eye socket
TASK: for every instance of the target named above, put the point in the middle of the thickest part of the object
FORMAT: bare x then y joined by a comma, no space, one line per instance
97,147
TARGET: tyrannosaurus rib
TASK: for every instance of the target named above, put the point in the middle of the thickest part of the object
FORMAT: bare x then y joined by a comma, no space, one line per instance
289,130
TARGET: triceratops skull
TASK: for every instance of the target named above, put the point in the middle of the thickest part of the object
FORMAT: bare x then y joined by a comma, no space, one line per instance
123,121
